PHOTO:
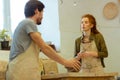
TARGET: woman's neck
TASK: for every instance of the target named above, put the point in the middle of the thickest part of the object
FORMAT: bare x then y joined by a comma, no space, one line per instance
86,38
86,33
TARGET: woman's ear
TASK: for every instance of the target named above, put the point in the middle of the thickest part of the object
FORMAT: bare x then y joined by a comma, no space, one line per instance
91,25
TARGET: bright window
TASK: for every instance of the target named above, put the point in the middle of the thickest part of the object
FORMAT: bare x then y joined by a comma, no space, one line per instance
50,23
1,14
17,12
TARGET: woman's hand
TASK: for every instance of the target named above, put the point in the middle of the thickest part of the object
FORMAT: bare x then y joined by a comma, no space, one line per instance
87,54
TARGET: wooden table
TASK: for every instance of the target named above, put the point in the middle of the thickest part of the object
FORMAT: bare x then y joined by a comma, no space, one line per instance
74,76
78,76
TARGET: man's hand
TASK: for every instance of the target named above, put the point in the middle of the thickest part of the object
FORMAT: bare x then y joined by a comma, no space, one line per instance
73,63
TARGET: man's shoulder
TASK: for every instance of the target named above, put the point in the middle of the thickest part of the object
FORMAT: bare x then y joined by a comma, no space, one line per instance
26,21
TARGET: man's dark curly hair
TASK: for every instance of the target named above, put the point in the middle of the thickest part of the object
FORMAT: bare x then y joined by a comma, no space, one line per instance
31,6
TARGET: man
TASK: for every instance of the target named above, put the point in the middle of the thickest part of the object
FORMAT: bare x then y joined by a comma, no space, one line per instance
26,44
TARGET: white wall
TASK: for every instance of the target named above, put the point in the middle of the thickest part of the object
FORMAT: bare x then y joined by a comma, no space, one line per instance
70,29
50,23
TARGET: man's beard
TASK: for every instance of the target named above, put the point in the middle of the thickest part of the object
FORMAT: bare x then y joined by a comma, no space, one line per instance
39,21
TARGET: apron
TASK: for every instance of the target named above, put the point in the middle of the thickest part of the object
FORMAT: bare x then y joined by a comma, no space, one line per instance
26,66
91,64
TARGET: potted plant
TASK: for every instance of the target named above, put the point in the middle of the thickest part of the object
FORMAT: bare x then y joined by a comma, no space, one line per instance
4,39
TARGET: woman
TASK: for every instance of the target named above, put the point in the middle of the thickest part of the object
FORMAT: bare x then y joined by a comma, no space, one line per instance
90,48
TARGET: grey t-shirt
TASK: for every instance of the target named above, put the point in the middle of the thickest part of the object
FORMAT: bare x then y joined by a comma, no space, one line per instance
21,38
